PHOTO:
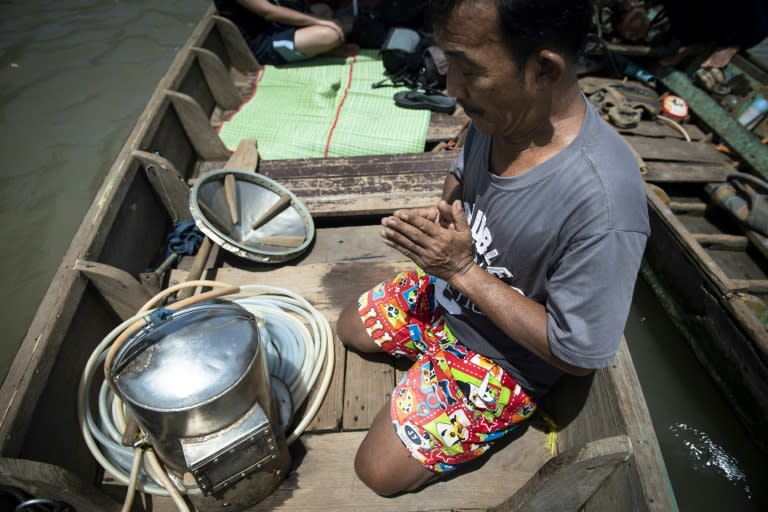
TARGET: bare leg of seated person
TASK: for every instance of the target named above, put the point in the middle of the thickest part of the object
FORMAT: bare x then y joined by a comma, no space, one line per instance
316,40
383,463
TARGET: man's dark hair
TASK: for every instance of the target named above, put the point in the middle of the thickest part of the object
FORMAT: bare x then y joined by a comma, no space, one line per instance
527,26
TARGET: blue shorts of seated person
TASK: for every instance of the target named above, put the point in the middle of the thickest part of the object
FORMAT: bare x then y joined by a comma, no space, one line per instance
453,403
283,46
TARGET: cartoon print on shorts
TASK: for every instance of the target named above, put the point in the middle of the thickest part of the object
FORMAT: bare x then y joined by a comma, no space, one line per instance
378,291
391,311
487,365
417,338
410,295
413,442
524,411
362,302
461,423
485,396
457,349
404,403
447,391
367,315
400,280
427,375
447,433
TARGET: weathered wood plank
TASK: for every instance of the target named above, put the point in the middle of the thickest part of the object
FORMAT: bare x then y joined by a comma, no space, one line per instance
368,385
722,240
245,156
198,127
646,473
358,166
688,207
657,129
444,127
325,479
684,237
374,195
329,416
329,287
750,285
652,149
168,184
686,172
414,163
361,185
120,289
218,79
567,481
606,404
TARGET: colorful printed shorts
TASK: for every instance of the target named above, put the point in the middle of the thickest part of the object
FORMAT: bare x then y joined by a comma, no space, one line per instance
452,403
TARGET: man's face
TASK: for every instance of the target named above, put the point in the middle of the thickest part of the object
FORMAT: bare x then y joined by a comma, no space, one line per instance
498,97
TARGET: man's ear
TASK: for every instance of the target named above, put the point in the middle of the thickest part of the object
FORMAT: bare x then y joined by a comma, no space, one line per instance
550,67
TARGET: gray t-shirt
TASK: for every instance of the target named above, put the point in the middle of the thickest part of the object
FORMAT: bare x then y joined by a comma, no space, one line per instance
569,234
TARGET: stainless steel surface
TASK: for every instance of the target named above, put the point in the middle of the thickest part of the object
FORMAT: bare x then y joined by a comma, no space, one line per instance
255,195
219,461
193,374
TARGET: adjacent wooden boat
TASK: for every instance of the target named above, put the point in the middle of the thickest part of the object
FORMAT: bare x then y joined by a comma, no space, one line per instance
607,454
707,268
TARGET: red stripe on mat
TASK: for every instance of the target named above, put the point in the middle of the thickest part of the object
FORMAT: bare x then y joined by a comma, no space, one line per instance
338,109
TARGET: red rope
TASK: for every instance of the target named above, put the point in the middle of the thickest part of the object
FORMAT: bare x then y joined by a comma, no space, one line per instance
338,109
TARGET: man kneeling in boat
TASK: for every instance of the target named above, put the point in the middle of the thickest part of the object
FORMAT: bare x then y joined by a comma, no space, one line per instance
525,268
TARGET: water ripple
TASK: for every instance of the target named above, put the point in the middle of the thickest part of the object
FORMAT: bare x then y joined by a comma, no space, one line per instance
708,456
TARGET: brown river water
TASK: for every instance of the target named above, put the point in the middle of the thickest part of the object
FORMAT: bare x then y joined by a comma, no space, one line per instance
74,77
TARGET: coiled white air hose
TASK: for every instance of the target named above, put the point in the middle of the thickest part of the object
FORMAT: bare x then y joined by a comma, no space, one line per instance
297,340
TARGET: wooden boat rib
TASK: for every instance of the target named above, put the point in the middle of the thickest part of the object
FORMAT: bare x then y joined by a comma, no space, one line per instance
607,454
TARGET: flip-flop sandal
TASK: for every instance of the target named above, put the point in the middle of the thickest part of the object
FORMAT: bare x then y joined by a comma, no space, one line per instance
435,102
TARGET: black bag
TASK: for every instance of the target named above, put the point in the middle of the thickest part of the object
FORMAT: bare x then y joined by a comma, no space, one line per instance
412,59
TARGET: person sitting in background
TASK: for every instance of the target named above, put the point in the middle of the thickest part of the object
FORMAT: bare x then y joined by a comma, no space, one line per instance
284,31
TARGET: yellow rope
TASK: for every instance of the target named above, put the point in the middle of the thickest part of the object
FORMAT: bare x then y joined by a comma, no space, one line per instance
552,429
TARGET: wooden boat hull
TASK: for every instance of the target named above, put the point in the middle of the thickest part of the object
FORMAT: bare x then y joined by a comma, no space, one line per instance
603,420
708,270
712,309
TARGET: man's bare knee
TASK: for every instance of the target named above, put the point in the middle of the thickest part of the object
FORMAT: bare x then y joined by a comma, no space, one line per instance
351,332
366,471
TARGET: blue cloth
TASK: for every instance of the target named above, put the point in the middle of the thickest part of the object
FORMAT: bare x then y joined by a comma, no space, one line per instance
184,240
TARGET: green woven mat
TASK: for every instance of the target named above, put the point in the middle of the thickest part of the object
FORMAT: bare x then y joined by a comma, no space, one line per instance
293,111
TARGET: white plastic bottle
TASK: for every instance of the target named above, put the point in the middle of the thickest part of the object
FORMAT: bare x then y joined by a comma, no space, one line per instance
757,109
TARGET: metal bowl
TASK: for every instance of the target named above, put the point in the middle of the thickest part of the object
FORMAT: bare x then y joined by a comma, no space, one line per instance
284,237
